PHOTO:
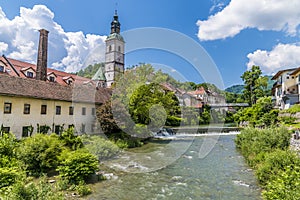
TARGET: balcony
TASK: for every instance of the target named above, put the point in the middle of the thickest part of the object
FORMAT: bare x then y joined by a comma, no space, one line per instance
277,84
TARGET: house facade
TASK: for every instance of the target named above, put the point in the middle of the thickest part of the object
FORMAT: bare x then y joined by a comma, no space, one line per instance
286,89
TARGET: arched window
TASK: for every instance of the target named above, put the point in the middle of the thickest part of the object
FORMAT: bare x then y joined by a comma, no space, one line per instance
109,48
119,48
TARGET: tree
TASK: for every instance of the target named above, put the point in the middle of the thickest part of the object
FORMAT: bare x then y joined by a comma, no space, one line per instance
255,84
147,96
106,119
259,114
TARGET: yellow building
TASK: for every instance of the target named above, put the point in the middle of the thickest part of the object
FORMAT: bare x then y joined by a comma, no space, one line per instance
30,103
34,98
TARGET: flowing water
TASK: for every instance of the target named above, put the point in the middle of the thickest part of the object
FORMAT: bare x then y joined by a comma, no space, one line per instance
174,170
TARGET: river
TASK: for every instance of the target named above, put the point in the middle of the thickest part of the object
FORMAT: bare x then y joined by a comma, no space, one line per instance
177,170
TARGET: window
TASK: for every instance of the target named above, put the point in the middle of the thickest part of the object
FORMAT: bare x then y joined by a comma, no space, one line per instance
57,129
93,111
109,48
71,110
25,131
26,109
58,110
287,77
44,109
119,48
83,111
51,79
29,74
1,68
82,128
5,129
7,108
69,82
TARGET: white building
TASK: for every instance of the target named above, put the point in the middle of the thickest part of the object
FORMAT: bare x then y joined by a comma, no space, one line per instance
285,90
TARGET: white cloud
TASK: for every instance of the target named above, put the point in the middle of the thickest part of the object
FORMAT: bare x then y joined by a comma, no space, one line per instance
3,47
283,15
217,6
282,56
66,50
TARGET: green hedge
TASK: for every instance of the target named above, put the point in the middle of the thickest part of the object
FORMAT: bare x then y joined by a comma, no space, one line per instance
276,167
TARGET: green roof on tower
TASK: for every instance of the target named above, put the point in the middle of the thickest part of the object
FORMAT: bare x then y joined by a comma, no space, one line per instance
99,76
115,29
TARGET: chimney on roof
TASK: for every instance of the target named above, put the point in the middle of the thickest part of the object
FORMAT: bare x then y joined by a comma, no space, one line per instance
41,68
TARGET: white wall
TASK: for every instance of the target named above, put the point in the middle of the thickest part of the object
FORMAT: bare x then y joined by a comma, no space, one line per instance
17,119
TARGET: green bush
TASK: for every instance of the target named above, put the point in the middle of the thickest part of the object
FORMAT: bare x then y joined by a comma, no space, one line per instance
83,189
39,153
285,186
9,176
102,148
277,168
78,165
37,191
173,121
273,163
70,140
8,143
287,119
253,141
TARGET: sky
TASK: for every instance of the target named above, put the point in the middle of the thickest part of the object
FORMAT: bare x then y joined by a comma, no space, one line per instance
229,35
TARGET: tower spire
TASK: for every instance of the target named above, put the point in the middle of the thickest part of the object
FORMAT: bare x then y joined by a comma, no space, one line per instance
115,24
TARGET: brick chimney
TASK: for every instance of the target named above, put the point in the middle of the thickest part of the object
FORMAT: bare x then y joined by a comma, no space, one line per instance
41,69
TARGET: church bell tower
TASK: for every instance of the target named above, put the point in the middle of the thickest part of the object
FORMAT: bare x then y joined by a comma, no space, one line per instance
114,56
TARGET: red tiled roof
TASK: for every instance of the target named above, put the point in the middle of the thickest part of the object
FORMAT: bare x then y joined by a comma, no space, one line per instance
20,66
31,88
200,90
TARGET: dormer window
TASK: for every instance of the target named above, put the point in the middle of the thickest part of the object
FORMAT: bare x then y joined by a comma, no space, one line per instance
69,80
51,76
52,79
29,74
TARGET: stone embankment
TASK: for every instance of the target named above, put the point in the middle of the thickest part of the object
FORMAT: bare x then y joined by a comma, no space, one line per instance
295,144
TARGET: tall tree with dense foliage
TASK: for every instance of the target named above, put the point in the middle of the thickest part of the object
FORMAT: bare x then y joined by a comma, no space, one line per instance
148,96
259,114
255,84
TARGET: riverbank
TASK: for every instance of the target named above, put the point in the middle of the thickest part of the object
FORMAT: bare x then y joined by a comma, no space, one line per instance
277,168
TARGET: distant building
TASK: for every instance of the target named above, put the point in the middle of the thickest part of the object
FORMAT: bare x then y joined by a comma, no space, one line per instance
207,97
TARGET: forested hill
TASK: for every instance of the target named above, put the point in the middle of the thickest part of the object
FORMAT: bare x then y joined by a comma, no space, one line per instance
90,70
236,89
